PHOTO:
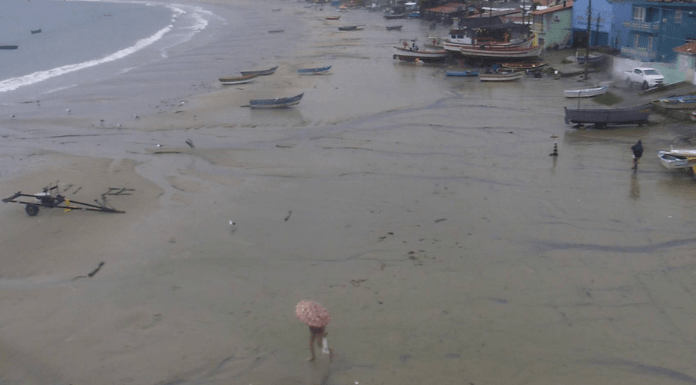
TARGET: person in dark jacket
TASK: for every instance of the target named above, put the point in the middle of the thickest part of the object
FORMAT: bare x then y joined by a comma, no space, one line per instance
637,153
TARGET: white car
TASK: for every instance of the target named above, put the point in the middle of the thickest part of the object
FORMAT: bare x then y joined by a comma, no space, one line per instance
646,77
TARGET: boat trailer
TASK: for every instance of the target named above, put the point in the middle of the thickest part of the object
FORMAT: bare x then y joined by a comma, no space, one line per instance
52,199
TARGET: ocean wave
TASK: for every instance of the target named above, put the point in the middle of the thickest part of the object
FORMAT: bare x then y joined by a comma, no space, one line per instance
183,34
14,83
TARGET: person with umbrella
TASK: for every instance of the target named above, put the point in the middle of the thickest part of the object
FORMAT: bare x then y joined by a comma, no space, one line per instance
316,317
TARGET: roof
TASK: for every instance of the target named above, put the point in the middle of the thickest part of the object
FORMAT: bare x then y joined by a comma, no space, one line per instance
555,8
688,48
448,8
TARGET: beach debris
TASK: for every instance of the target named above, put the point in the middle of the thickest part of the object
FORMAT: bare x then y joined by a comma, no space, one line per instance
92,273
190,143
357,282
118,191
288,216
440,220
312,313
50,197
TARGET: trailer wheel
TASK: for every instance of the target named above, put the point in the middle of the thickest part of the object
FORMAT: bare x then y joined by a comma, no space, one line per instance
32,210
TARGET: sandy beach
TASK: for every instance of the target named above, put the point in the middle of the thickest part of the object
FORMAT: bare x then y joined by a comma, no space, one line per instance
423,211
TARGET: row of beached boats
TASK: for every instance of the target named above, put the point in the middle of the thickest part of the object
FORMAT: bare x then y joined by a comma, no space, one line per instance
248,76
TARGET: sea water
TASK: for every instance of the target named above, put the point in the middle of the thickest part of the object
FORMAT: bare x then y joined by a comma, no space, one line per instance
76,35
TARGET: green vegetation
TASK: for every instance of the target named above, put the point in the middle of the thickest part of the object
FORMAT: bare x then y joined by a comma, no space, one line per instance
607,99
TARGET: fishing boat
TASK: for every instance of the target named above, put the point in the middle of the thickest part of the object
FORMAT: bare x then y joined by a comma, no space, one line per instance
586,92
277,102
260,72
314,71
674,159
351,27
238,79
505,53
467,73
394,28
332,17
276,31
9,46
413,53
601,117
686,102
592,59
459,39
34,31
396,16
524,66
501,76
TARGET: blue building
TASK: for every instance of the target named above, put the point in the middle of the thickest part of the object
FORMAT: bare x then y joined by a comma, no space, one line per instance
652,30
600,22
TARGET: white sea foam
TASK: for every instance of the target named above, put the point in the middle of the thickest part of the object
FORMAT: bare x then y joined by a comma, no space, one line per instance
14,83
197,23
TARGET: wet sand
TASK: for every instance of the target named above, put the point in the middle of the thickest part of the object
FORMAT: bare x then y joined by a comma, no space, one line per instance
424,212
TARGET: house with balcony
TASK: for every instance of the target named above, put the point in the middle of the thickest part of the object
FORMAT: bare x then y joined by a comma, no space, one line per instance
655,29
552,24
597,19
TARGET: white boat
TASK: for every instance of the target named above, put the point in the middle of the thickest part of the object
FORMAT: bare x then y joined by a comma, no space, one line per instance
501,76
414,53
586,92
673,159
456,42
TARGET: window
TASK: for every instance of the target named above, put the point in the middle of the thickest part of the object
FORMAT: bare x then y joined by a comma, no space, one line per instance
678,16
639,14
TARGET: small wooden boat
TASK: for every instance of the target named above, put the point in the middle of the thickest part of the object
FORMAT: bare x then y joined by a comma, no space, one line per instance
9,46
314,71
276,31
686,102
394,27
396,16
497,52
351,27
238,79
332,17
586,92
501,76
277,102
462,73
260,72
523,66
593,59
34,31
674,159
424,55
601,117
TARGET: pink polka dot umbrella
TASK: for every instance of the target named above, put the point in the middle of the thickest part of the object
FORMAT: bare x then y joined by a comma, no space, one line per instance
312,313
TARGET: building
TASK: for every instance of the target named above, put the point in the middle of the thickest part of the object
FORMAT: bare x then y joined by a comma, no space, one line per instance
654,29
686,61
598,23
552,25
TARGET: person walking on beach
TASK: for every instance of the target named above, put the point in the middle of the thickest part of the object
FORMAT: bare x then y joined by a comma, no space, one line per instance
317,317
637,153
